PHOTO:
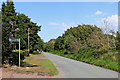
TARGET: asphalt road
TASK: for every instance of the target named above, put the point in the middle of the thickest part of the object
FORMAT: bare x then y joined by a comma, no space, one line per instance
75,69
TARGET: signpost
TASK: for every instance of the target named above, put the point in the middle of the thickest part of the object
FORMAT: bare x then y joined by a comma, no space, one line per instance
12,37
16,40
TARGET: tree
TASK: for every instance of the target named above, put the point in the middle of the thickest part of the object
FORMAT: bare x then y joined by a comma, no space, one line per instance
0,37
22,23
33,35
49,45
114,41
85,37
106,29
12,20
118,41
59,43
8,14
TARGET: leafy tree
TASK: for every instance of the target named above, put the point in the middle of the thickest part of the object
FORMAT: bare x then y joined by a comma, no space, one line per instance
118,41
49,45
59,43
12,20
0,37
84,36
22,23
8,14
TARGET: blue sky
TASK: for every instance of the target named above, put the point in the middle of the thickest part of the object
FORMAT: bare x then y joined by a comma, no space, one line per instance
56,17
63,0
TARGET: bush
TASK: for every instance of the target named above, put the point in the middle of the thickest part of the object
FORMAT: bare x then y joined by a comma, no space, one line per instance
25,53
14,58
36,52
92,56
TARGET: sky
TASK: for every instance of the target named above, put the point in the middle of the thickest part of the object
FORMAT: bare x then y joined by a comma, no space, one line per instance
63,0
56,17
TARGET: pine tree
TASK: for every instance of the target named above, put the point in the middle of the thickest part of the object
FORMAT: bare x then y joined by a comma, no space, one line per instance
12,20
8,14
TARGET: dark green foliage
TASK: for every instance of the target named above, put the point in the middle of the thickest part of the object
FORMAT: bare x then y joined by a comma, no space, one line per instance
8,13
14,58
87,56
49,45
36,52
89,44
83,36
22,22
118,47
25,53
118,41
59,43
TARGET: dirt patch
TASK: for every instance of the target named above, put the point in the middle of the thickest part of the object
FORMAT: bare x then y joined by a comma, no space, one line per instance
8,73
0,73
26,72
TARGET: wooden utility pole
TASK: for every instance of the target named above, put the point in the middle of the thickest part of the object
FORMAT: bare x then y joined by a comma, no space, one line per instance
28,41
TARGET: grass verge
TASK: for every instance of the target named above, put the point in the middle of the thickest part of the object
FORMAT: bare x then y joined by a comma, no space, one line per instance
108,61
44,66
41,66
37,55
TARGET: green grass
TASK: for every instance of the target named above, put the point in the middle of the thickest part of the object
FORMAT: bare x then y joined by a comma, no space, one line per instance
44,65
39,55
108,60
29,71
20,50
36,65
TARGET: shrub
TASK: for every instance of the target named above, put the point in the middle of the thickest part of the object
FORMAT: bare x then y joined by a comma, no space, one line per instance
25,53
92,56
14,58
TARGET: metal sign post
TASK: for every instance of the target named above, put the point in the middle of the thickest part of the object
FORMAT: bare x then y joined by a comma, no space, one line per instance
19,52
14,41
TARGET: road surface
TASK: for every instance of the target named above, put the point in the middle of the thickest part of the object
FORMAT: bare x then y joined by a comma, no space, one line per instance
69,68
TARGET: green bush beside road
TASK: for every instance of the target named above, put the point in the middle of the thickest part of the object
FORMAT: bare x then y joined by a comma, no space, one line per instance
107,60
87,43
14,56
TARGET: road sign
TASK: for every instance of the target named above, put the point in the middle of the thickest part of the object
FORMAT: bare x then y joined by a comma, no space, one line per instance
14,40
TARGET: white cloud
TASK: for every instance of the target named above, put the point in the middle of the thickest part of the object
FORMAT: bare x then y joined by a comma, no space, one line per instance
63,26
98,13
54,23
111,22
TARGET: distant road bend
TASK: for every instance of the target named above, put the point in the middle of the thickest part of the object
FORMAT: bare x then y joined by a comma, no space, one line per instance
75,69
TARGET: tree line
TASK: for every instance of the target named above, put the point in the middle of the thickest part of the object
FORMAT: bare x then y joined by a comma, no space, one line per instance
83,36
89,44
23,22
